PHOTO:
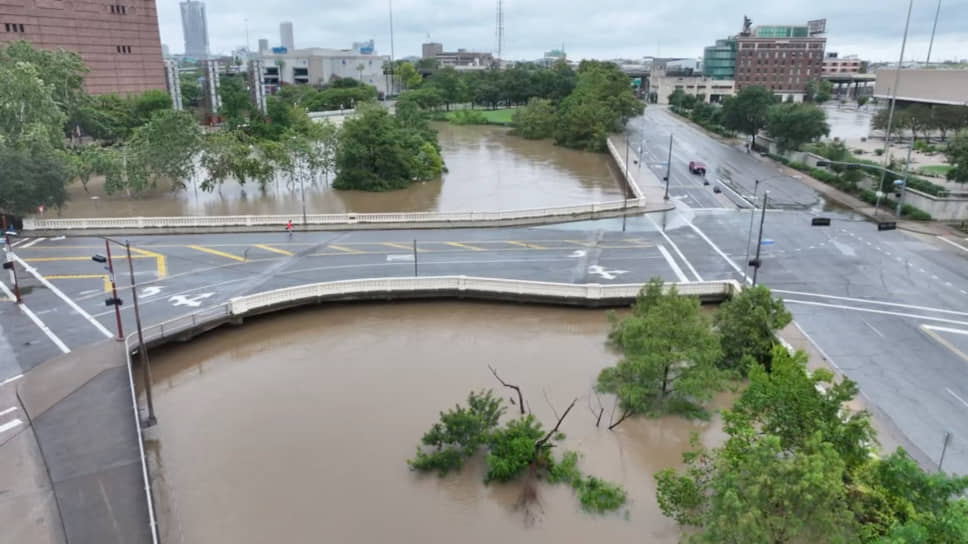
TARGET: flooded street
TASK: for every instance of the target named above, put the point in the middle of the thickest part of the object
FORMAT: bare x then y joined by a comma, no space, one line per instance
489,170
296,428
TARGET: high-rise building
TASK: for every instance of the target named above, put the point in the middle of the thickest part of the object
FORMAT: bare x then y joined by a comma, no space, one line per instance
432,49
263,45
719,61
285,36
782,58
195,29
118,42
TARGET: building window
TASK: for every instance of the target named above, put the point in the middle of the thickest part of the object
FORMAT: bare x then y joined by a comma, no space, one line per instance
118,9
123,49
13,27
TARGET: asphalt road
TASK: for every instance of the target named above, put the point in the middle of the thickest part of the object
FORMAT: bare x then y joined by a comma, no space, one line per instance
735,170
890,309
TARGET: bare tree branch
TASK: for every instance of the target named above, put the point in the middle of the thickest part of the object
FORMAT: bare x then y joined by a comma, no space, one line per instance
540,443
599,420
552,406
511,386
625,414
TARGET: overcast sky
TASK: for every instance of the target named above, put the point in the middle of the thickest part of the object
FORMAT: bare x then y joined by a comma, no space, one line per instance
598,29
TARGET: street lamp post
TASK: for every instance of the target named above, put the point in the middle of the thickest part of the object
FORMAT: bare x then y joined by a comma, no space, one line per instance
749,234
9,263
142,351
890,114
115,301
759,243
668,169
902,186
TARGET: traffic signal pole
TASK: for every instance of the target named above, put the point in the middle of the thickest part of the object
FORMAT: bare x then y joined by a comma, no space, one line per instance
9,264
114,291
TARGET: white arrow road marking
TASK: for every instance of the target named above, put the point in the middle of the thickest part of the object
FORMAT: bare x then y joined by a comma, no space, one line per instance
578,253
10,425
194,302
399,257
605,274
150,291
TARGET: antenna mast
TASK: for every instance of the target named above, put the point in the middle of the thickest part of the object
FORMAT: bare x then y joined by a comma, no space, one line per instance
500,27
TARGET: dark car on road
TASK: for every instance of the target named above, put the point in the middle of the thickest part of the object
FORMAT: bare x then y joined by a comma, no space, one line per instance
697,167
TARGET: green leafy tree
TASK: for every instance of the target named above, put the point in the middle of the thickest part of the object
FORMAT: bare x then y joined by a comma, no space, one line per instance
191,90
144,105
747,111
949,119
372,156
601,103
536,120
861,100
408,76
670,356
31,178
231,154
747,325
458,434
62,71
427,98
793,125
163,149
236,106
957,155
513,448
818,91
448,81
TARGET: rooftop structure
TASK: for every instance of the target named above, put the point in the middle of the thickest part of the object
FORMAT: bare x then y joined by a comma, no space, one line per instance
924,86
286,37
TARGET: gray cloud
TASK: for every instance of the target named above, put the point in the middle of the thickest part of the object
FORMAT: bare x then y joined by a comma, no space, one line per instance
599,29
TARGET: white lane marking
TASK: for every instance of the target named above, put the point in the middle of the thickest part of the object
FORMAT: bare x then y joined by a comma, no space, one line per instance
605,274
921,270
955,395
957,245
873,311
193,302
873,328
10,425
816,345
400,257
32,242
963,292
672,264
948,283
945,329
65,298
11,379
676,249
40,324
578,253
18,242
934,276
717,250
8,410
150,291
866,301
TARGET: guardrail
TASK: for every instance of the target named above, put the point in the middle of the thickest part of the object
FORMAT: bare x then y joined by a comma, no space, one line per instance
413,219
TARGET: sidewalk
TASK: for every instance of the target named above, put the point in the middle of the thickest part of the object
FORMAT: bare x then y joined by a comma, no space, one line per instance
82,430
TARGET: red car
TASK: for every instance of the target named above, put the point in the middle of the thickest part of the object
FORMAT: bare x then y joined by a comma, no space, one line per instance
697,167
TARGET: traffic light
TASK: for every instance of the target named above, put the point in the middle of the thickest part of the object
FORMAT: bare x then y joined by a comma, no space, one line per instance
823,163
99,259
820,221
755,263
886,225
8,265
111,301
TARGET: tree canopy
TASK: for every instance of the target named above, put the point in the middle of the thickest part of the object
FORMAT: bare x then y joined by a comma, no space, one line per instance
747,324
792,125
957,154
747,111
601,103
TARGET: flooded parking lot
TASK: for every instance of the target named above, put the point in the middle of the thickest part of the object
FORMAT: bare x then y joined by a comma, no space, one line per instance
296,428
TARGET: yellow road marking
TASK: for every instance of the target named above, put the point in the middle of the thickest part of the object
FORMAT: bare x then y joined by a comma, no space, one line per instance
274,249
211,251
161,263
580,242
398,245
945,343
344,249
105,277
529,246
465,246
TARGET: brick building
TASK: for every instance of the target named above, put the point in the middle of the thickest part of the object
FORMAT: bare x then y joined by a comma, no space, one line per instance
850,64
780,58
118,39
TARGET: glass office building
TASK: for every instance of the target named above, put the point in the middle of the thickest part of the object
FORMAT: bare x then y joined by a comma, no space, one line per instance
719,61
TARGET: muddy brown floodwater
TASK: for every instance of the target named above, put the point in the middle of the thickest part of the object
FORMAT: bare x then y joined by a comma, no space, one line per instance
488,169
296,428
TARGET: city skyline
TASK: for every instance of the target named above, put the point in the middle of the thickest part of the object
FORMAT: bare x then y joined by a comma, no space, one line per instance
614,32
194,29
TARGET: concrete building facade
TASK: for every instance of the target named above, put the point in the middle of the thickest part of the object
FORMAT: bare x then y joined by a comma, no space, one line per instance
118,41
317,66
948,87
286,38
263,45
431,50
195,29
781,58
710,90
832,64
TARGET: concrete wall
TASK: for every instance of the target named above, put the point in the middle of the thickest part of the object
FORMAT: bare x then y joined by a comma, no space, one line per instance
929,86
664,85
950,208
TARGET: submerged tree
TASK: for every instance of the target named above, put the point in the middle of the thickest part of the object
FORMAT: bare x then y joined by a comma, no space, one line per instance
748,323
670,356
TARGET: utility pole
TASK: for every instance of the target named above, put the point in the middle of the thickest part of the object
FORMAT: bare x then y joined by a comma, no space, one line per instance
415,274
668,169
9,263
890,114
903,188
302,190
933,28
142,350
116,302
625,189
749,234
944,448
759,242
